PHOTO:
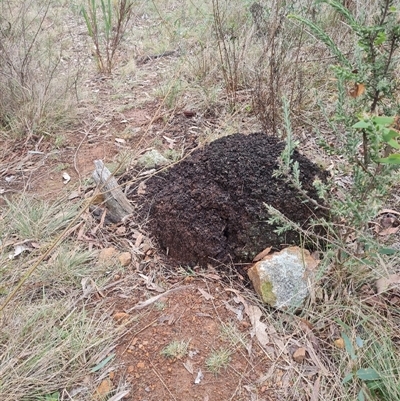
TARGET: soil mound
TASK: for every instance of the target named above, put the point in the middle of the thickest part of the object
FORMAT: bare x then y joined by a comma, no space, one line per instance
210,208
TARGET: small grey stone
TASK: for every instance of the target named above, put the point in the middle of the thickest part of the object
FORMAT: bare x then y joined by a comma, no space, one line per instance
152,158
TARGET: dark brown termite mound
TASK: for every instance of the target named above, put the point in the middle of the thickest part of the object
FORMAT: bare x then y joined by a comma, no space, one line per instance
210,207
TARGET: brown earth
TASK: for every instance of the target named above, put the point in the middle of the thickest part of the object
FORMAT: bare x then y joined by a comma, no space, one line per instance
210,208
208,316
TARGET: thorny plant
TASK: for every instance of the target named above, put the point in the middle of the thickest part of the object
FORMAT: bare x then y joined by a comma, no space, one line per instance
363,138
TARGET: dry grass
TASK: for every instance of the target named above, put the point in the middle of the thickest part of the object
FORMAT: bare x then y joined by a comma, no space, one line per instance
39,74
52,333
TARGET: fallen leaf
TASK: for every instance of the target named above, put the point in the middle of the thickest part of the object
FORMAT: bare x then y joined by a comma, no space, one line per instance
389,230
262,254
119,396
188,366
339,343
141,188
199,377
139,240
315,390
205,294
237,311
66,178
384,283
151,300
259,328
357,90
299,355
18,249
74,195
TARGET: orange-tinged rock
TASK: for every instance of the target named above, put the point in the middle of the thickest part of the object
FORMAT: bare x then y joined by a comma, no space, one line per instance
104,388
299,355
125,258
107,254
120,317
339,343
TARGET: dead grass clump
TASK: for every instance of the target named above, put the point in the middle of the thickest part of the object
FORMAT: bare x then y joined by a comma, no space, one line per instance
38,84
48,346
52,333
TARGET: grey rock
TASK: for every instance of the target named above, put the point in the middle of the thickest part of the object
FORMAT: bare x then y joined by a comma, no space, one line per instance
282,279
152,158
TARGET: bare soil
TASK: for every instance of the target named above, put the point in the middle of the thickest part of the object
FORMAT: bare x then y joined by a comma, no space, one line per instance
196,313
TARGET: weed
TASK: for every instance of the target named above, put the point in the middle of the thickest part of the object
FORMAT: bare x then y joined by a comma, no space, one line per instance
176,349
37,219
232,46
50,336
106,23
366,139
218,360
38,84
355,122
230,332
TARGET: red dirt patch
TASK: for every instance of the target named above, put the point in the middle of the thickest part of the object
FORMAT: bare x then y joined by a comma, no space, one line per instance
197,318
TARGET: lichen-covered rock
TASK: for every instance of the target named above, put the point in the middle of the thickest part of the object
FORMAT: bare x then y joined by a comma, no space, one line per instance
283,278
152,158
210,207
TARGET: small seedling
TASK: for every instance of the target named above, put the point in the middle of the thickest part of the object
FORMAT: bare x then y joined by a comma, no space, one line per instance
363,375
218,360
175,349
231,333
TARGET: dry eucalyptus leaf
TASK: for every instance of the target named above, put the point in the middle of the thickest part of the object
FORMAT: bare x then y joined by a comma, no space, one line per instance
262,254
188,366
384,283
66,178
389,230
74,195
205,294
259,328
